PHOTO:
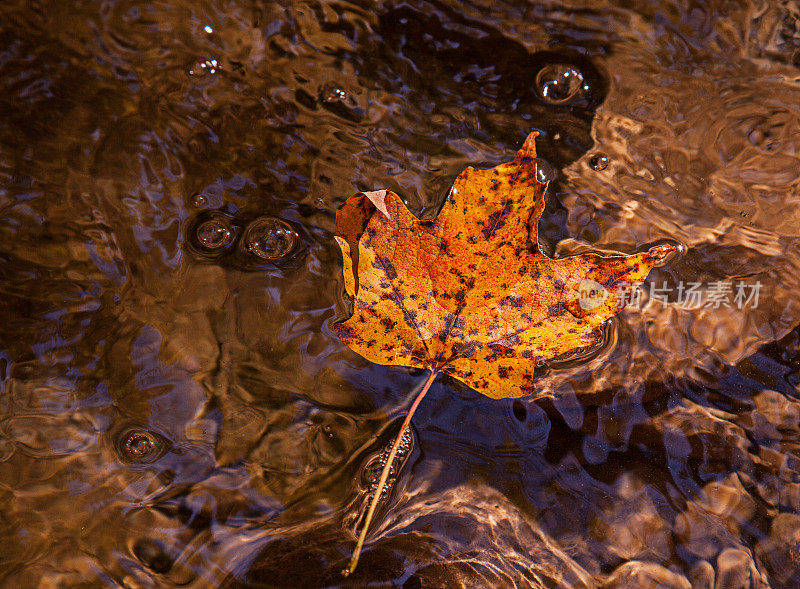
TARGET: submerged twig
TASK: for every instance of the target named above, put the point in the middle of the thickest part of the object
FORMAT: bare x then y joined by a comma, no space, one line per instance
385,473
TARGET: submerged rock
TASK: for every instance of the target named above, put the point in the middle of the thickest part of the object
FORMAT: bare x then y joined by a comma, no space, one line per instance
780,551
638,574
736,569
701,575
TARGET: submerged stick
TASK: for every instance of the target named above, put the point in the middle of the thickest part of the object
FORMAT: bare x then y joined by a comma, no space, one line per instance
385,473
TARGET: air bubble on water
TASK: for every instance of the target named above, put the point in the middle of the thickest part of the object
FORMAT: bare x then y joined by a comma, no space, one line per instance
560,83
332,93
598,162
140,446
208,29
270,238
200,200
545,172
214,234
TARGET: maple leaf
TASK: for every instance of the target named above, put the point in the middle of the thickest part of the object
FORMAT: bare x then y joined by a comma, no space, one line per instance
470,293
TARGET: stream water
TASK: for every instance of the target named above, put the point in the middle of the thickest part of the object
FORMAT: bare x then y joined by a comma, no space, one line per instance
174,408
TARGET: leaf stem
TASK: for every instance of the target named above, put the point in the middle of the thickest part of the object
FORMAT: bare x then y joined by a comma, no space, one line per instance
385,472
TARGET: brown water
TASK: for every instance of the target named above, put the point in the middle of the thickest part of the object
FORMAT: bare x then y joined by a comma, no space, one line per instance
175,409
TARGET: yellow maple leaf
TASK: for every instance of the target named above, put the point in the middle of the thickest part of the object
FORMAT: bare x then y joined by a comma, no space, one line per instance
470,293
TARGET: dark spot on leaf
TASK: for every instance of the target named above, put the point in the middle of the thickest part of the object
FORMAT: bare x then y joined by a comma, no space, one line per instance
345,333
513,301
391,272
611,282
494,222
501,351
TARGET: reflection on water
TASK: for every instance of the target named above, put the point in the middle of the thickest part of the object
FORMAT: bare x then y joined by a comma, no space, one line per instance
175,409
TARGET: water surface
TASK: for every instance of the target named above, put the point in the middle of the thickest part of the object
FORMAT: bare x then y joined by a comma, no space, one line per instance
175,409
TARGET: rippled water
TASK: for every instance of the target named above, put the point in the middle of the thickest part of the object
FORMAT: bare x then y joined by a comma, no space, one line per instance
175,409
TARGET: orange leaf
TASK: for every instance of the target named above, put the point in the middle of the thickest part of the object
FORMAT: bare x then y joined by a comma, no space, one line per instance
469,293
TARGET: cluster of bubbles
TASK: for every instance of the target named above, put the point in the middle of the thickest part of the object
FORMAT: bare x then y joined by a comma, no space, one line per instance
371,473
207,66
332,93
271,239
264,239
135,445
561,84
